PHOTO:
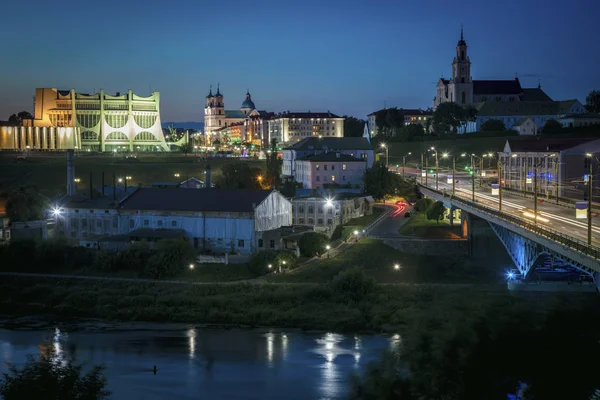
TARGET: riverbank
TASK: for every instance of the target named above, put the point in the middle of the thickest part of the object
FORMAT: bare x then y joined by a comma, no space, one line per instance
345,305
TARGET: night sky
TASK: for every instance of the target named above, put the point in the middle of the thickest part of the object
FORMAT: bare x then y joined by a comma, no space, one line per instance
350,57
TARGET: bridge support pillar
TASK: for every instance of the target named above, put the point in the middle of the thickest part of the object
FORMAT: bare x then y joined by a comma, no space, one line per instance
596,276
451,215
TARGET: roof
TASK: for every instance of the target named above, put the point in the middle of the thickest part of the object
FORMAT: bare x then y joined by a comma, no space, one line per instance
407,111
497,87
332,143
331,156
82,201
248,104
234,114
521,121
524,108
309,114
535,94
542,145
175,199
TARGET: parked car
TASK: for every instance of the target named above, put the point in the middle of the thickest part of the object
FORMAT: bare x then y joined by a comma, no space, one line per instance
407,214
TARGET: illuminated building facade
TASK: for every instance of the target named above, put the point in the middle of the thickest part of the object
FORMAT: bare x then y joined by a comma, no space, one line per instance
64,119
291,127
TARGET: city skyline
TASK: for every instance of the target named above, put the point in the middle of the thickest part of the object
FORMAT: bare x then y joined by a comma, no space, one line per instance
333,58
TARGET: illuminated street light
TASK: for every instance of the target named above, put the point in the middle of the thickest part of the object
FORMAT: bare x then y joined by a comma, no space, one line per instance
191,266
328,247
328,202
270,266
176,175
356,233
387,158
396,267
56,212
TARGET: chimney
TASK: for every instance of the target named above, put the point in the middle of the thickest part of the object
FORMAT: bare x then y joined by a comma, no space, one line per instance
207,177
70,172
91,187
102,184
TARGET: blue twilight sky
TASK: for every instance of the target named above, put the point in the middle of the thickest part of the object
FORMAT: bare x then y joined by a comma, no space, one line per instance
350,57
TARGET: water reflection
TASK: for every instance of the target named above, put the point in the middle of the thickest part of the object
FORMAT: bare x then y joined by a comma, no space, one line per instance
395,343
191,334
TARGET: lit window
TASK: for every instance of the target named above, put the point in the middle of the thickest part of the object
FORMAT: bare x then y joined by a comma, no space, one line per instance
343,167
317,167
332,178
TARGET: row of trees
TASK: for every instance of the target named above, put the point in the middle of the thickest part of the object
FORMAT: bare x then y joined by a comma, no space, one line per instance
19,118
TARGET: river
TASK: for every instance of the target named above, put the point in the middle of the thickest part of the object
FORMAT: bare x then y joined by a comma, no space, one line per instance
204,363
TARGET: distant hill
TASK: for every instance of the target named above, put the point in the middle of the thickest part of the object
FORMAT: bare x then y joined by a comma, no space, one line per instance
199,126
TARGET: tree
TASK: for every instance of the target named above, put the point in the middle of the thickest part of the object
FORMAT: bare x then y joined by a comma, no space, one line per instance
26,204
239,175
186,148
47,379
409,132
312,243
383,380
552,126
17,119
171,257
379,181
592,101
436,211
353,127
493,125
389,121
449,117
274,163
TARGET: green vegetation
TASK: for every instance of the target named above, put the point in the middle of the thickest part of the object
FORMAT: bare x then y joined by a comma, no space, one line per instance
45,378
436,212
25,204
272,260
490,352
592,101
552,126
343,232
312,243
377,260
493,125
239,175
47,171
380,182
420,225
449,117
353,127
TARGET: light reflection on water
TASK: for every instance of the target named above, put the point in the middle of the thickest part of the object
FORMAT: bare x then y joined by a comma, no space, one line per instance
208,363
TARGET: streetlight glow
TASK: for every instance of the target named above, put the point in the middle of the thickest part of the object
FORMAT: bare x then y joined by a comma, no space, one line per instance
327,247
270,266
396,267
56,212
191,266
356,233
328,202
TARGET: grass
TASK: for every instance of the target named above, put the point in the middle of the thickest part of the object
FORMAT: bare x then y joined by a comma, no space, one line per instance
419,226
48,172
378,260
358,224
384,309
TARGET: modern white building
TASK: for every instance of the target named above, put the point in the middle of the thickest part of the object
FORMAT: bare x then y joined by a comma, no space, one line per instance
65,119
332,169
360,148
240,221
291,127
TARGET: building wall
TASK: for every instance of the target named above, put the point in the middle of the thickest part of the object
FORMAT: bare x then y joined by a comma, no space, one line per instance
315,212
519,170
39,138
289,130
527,128
313,174
578,122
289,157
273,213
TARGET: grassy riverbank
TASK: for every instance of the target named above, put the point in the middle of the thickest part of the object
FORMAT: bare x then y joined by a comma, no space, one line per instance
419,226
338,306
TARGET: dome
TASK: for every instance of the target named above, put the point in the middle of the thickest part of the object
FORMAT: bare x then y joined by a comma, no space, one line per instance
248,104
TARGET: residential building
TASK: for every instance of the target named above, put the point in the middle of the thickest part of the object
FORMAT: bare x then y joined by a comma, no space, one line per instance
241,221
411,116
579,120
355,147
558,164
290,127
65,119
325,214
332,169
525,127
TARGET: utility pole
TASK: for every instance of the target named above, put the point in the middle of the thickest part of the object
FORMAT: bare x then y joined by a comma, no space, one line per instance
453,175
556,171
422,168
499,185
472,179
426,170
589,207
480,171
535,192
437,171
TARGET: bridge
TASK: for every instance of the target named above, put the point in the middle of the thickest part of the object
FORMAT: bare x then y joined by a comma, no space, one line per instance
560,238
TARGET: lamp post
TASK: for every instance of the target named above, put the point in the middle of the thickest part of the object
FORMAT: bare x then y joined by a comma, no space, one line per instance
446,155
422,165
387,161
76,180
536,165
437,172
589,159
501,164
404,162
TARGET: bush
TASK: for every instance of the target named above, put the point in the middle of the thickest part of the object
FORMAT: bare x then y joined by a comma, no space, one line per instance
312,243
259,265
423,204
46,379
493,125
436,211
353,284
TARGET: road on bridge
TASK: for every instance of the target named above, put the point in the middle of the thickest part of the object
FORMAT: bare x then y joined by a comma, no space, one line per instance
556,217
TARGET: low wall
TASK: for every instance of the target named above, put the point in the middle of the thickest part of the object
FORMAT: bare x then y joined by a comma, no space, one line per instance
430,247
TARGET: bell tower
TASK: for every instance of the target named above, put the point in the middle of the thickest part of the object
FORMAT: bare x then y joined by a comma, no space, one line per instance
461,84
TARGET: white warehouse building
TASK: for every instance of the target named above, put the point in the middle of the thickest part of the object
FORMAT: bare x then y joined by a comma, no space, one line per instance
228,221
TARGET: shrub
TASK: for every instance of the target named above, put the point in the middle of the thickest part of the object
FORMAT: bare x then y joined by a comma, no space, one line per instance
259,265
353,284
312,243
436,211
423,204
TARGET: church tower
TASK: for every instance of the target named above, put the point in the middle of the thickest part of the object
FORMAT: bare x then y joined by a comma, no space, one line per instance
214,112
461,84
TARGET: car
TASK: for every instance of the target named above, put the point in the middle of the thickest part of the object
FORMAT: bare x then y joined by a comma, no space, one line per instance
407,214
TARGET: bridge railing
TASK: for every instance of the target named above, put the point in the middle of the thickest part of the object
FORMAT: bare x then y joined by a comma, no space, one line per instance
556,236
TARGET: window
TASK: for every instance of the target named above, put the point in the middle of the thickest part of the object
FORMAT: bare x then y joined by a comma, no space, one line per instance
146,222
99,224
115,223
260,243
320,221
324,167
332,178
311,209
333,167
343,167
311,221
272,243
240,243
159,222
73,234
84,223
318,178
320,209
301,208
330,211
343,177
301,221
173,223
329,221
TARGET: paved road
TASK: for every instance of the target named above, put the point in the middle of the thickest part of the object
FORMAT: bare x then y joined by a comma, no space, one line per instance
557,217
388,227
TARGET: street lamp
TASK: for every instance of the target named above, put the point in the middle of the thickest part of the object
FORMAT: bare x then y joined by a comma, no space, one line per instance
473,157
404,162
387,161
589,158
397,267
437,170
191,266
176,175
76,180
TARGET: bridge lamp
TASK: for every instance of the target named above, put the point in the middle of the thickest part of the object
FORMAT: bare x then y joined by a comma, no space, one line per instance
510,275
356,233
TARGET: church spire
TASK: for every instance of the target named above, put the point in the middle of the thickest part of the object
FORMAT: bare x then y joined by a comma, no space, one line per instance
218,90
461,31
539,83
